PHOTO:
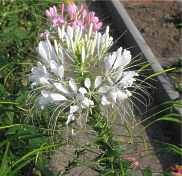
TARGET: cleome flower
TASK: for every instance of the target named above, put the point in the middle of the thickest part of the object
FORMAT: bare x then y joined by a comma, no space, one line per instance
75,71
75,98
111,86
49,74
53,16
117,80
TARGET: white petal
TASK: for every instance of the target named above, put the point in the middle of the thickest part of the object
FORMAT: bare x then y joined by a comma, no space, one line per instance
93,46
98,43
90,30
44,69
73,85
42,101
53,66
91,103
122,95
45,93
128,93
82,90
87,83
61,32
83,54
70,32
33,84
43,80
61,88
126,57
71,117
114,95
57,97
104,101
34,70
42,50
103,89
73,109
87,102
128,79
61,71
46,51
123,59
56,46
98,81
117,59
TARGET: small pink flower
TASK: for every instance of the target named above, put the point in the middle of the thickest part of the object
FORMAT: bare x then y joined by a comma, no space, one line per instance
97,26
52,12
44,35
134,162
177,171
91,18
57,21
62,9
71,9
83,11
78,23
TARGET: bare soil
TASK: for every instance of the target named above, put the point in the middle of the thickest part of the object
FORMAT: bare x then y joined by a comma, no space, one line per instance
158,22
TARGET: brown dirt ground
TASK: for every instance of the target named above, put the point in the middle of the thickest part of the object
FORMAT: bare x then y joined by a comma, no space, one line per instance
156,20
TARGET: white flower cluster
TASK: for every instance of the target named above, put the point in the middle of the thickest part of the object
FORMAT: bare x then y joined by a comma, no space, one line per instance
103,75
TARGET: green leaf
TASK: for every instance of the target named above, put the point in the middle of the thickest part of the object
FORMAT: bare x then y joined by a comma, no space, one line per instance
147,172
4,168
159,73
3,91
173,148
9,126
33,153
171,117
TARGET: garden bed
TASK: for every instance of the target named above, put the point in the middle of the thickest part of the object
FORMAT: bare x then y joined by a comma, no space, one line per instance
35,142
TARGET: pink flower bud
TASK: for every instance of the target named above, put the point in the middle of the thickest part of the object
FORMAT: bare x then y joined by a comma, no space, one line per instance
97,27
84,13
62,9
52,12
77,23
71,9
57,21
134,162
44,35
177,171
